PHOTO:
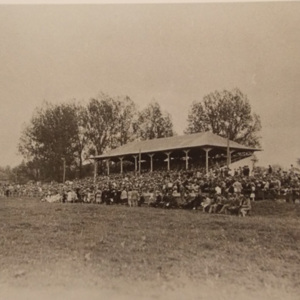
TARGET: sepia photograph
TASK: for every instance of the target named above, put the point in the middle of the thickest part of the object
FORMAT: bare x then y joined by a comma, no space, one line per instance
149,150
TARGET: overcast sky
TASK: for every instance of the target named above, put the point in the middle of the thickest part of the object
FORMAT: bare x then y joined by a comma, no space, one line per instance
173,53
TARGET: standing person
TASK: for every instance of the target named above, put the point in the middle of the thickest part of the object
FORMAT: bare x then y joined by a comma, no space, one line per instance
237,187
98,195
129,197
124,196
270,170
7,191
134,197
104,197
89,195
252,194
246,171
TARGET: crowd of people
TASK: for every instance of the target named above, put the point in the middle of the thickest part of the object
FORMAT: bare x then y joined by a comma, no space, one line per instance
221,191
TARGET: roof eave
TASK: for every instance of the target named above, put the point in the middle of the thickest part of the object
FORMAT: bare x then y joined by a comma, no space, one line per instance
105,156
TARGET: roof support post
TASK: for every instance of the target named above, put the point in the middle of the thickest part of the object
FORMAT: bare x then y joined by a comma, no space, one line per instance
168,155
186,158
121,161
140,162
135,162
228,156
107,166
151,161
206,158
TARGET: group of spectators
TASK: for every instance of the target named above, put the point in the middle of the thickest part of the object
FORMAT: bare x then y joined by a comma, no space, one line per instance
221,191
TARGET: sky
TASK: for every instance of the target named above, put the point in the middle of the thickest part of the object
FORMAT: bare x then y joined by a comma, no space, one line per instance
173,53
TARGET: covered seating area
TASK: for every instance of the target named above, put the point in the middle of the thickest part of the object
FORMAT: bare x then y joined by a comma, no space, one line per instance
186,151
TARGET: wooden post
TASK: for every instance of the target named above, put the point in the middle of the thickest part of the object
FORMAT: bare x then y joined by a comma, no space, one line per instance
206,158
186,159
168,155
107,166
135,163
151,162
121,161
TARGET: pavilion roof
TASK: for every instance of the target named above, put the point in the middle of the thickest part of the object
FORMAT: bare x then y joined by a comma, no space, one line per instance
181,142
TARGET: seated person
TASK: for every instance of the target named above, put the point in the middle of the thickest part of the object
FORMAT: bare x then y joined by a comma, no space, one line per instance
234,205
214,204
169,201
195,202
245,206
207,202
227,201
158,201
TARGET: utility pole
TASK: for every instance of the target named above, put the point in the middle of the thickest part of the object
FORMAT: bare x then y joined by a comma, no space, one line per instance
64,169
95,166
254,161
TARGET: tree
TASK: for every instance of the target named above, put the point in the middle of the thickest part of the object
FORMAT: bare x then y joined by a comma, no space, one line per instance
109,122
153,123
126,115
25,172
6,174
81,138
228,114
51,135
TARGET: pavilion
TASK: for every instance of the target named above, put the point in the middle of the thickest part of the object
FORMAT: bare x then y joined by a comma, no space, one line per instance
201,146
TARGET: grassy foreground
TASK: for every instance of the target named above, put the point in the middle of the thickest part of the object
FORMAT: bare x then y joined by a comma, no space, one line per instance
118,252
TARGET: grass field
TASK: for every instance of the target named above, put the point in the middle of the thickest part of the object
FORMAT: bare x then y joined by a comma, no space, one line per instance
81,251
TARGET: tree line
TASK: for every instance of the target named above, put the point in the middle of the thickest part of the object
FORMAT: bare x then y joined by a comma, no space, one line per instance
72,131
